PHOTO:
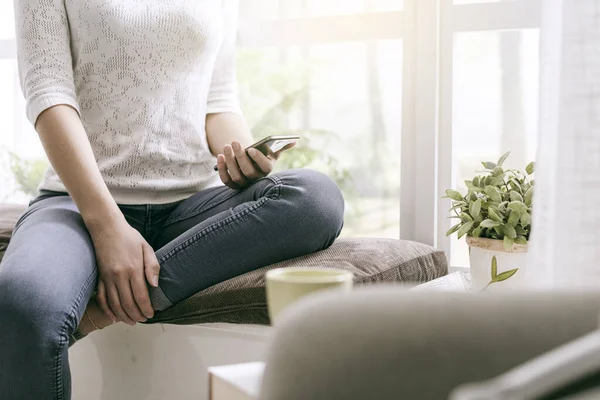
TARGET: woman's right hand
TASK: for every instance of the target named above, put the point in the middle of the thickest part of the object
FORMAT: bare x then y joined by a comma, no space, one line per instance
124,259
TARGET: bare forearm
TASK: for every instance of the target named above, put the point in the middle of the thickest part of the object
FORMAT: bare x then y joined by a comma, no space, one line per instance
223,129
71,156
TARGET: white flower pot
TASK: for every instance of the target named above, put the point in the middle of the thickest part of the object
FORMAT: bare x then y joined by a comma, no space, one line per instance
482,253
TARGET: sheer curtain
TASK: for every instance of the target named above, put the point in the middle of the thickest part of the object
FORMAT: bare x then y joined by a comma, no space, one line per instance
565,245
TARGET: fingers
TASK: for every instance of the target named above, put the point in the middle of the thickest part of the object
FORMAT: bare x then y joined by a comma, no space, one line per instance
264,163
141,297
245,163
115,305
233,168
223,174
151,266
127,298
102,300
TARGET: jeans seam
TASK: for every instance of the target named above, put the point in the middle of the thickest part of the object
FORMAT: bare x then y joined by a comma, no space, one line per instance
200,211
220,224
148,223
273,179
63,339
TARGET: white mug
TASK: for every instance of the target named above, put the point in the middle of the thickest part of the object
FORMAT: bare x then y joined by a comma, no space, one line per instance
286,285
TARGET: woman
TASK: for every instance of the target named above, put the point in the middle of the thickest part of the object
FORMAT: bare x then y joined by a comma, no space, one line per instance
132,101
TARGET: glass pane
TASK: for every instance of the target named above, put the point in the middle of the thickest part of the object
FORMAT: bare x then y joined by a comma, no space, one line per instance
495,105
344,99
7,23
274,9
478,1
19,143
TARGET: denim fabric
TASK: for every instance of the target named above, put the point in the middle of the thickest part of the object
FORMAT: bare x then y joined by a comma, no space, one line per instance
49,271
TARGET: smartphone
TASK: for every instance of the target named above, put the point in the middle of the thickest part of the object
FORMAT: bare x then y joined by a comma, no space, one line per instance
272,144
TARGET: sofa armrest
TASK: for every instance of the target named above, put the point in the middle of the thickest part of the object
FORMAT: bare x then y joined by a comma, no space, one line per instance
387,343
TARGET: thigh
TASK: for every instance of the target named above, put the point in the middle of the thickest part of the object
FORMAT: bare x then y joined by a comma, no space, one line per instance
212,238
206,204
49,270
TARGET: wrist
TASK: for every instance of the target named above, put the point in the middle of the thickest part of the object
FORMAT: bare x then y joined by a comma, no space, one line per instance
102,219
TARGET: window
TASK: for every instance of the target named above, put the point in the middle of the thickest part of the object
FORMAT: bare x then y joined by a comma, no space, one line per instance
397,100
333,71
489,69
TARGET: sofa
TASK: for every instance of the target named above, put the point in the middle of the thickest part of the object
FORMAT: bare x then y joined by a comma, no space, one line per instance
226,323
388,343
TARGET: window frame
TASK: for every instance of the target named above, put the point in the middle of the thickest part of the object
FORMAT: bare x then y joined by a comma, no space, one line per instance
427,28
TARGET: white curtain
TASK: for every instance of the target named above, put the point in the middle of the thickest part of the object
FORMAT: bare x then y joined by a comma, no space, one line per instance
565,245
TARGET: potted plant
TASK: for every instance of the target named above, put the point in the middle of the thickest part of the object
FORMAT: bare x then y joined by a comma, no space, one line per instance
495,216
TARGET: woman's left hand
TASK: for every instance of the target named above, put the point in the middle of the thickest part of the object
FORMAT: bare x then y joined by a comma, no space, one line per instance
238,169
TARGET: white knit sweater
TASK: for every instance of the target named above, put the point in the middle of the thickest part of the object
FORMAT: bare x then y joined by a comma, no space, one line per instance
142,74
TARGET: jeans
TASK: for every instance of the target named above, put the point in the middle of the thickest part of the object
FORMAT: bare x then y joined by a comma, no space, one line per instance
49,273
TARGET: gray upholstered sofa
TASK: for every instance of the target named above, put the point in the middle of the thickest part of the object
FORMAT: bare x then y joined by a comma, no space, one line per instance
386,343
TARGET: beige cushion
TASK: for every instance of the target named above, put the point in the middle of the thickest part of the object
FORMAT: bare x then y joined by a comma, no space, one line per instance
242,299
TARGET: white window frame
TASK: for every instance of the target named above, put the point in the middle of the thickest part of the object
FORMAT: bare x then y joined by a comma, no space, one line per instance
504,15
8,49
427,28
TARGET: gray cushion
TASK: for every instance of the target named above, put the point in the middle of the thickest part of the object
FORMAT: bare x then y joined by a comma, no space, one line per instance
243,300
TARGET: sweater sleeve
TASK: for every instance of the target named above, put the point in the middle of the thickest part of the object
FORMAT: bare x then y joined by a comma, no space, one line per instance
44,55
222,95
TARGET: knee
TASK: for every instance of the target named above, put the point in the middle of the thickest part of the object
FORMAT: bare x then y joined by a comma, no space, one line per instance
320,204
32,317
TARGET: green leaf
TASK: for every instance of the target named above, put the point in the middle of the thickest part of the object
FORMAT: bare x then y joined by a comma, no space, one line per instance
465,229
488,223
506,274
515,184
513,218
494,268
530,169
475,208
488,165
509,231
515,196
495,216
518,206
499,233
477,232
497,181
520,230
493,193
508,242
521,240
498,171
502,206
465,217
529,196
487,180
453,229
454,195
525,219
459,203
456,207
476,181
469,184
503,158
